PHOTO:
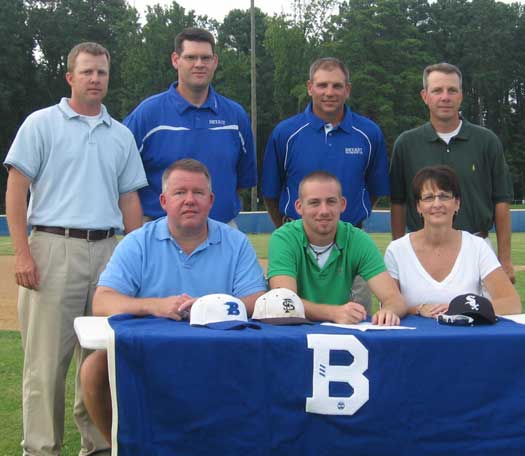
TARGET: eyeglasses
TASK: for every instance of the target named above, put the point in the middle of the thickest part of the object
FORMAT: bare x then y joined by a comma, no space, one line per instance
190,58
442,197
455,320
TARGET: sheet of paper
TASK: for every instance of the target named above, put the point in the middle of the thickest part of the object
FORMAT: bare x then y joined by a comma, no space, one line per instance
365,326
518,318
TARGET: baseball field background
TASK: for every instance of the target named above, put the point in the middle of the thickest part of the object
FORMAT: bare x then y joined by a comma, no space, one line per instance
11,351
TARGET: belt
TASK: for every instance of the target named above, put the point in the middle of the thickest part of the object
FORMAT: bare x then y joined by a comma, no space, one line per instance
482,234
89,235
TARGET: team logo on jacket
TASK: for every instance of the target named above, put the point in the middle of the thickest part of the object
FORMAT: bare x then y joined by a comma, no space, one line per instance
353,150
217,122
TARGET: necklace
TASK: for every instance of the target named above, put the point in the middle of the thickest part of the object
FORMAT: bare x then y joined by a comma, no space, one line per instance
318,253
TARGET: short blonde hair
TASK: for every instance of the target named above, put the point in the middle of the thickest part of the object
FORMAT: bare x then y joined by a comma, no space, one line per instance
87,47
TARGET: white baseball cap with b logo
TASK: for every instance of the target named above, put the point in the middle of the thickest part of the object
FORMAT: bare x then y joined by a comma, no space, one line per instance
220,311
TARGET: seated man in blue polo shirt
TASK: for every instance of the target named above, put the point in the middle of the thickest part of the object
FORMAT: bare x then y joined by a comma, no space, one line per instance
163,267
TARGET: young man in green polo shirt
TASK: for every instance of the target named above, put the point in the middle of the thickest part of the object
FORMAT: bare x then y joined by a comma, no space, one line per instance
318,257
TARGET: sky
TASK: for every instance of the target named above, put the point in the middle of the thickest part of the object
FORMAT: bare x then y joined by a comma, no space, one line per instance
217,8
220,8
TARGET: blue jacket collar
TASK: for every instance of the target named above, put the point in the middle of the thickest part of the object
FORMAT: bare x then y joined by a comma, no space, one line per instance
318,123
182,104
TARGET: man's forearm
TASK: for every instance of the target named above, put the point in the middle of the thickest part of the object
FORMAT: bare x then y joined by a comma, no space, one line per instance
272,205
16,210
503,224
396,305
249,301
108,302
387,291
129,204
503,230
398,219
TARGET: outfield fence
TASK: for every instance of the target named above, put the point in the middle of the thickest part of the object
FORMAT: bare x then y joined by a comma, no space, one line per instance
260,222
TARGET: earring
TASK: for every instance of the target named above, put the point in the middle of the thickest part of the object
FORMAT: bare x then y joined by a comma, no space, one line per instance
455,213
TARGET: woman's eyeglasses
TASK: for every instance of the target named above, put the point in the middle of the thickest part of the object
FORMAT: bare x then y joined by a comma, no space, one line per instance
442,197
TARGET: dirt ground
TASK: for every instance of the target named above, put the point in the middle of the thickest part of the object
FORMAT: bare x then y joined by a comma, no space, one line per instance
8,294
9,291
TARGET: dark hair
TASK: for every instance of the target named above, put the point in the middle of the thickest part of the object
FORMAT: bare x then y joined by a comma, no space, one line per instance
328,63
442,67
322,176
88,48
442,176
186,164
193,34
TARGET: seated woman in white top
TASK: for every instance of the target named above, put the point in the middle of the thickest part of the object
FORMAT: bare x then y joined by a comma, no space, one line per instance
437,263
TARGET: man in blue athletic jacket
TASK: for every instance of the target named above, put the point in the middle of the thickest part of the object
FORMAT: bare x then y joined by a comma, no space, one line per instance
327,136
191,120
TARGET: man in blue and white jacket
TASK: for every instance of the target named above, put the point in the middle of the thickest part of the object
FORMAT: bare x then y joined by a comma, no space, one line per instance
191,120
327,136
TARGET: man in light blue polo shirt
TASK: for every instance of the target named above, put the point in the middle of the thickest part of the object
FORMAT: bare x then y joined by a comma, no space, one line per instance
327,136
191,120
83,169
163,267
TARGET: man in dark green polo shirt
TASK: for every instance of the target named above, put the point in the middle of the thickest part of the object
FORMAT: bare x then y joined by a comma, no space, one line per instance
318,257
475,153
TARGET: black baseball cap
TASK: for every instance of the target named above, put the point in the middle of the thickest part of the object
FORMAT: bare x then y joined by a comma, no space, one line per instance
475,306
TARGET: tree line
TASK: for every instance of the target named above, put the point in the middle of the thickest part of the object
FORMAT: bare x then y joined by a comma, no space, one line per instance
385,43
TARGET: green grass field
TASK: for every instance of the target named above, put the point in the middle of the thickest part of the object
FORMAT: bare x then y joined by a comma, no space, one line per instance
11,356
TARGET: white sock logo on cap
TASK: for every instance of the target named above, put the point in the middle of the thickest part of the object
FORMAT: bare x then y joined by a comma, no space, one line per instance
471,302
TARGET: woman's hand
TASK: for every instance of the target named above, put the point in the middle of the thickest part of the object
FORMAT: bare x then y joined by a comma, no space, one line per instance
432,310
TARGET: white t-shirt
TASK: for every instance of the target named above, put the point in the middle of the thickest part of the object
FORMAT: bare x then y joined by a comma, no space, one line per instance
475,261
448,136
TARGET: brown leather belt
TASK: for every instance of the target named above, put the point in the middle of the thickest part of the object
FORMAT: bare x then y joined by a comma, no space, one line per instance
482,234
89,235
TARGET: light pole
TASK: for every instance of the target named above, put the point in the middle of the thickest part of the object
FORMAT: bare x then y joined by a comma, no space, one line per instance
253,94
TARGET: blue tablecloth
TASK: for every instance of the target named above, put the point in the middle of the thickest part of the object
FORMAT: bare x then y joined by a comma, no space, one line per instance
435,390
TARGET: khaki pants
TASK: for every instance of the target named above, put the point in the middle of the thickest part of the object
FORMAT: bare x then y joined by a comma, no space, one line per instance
69,269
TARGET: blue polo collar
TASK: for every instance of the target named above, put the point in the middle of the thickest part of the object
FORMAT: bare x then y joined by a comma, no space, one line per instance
69,113
317,123
181,104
